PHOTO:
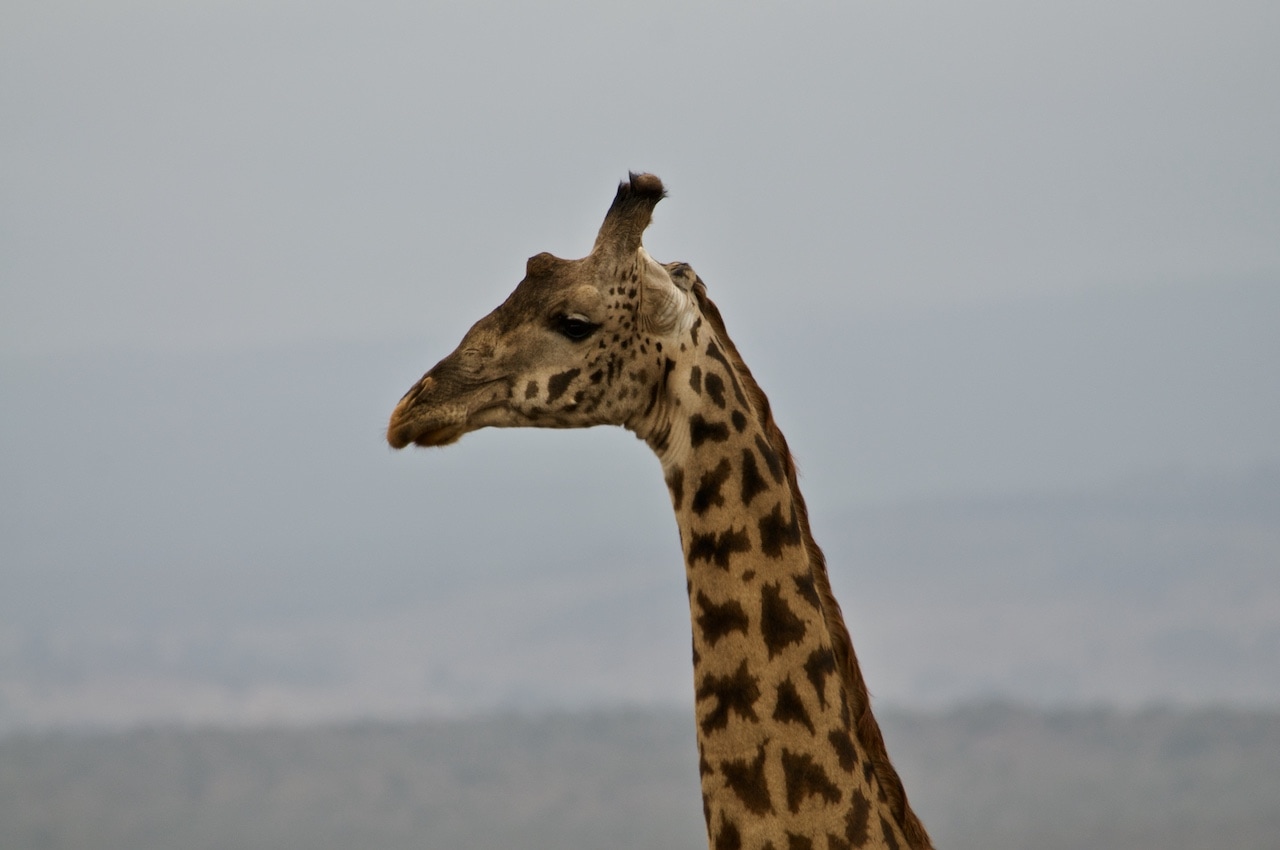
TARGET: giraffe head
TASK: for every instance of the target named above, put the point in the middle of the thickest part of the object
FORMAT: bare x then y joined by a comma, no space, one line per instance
578,343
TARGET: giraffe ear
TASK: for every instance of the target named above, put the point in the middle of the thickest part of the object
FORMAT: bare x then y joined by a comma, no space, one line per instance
630,214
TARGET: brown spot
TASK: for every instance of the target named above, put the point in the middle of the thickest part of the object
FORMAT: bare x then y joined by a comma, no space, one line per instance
531,390
770,458
747,780
890,835
806,589
736,693
717,621
798,842
715,389
675,483
739,421
700,431
728,838
718,548
708,492
789,708
820,664
842,743
695,379
776,533
805,779
855,820
779,626
752,482
713,351
557,384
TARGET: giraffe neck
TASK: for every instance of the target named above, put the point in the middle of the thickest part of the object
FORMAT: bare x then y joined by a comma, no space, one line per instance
781,759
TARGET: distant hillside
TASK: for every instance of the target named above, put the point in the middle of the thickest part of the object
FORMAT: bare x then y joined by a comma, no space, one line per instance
986,776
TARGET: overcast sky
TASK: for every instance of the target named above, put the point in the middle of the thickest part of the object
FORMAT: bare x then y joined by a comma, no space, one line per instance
231,174
991,247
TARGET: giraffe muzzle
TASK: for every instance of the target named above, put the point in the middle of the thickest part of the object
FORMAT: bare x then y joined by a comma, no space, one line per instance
419,421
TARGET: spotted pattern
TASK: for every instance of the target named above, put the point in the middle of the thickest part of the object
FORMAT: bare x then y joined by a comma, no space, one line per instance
820,664
789,707
806,778
708,493
736,693
557,384
752,482
781,763
718,547
747,779
776,533
702,430
779,625
719,621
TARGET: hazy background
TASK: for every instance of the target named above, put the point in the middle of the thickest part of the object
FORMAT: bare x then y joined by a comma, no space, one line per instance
1010,274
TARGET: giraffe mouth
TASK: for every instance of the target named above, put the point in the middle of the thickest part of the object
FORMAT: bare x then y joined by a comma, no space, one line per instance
423,418
416,421
400,436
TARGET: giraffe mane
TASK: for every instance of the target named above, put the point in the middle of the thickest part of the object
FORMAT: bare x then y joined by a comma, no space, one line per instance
866,728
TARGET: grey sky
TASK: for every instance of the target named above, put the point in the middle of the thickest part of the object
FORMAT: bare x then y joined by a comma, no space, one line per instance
989,248
229,174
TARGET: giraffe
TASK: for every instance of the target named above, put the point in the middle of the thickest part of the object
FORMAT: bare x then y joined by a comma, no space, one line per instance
790,754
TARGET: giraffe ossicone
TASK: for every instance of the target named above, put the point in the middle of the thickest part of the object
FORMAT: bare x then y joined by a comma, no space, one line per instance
790,754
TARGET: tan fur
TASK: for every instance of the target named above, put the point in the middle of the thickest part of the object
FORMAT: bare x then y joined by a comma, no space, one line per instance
866,726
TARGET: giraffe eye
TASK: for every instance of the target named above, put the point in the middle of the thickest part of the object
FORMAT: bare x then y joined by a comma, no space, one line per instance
575,327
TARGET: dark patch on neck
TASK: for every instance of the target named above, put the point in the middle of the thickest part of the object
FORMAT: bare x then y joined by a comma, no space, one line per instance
695,379
708,492
700,431
798,842
806,589
770,458
660,388
736,693
675,483
718,548
842,744
789,708
856,820
753,484
779,625
717,621
557,384
531,390
728,838
747,780
776,534
820,664
805,779
890,837
713,351
715,389
739,421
